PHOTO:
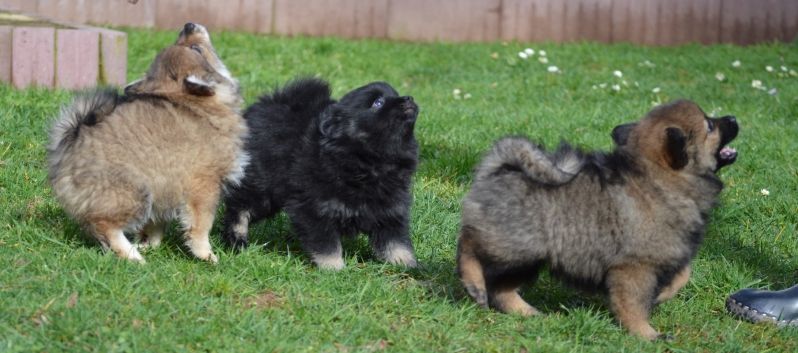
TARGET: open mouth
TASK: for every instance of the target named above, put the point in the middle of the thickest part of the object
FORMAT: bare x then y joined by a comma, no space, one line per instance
726,156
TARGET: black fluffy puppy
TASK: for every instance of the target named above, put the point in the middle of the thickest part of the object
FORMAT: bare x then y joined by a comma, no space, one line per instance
335,168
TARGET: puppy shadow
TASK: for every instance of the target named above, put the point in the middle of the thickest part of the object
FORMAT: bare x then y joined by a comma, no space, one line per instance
757,256
547,294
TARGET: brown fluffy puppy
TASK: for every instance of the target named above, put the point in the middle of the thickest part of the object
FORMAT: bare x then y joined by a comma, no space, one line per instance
161,151
628,222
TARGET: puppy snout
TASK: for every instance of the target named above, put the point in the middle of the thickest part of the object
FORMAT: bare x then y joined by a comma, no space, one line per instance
188,28
408,98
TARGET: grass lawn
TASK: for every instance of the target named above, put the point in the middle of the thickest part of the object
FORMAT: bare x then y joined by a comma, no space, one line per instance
59,292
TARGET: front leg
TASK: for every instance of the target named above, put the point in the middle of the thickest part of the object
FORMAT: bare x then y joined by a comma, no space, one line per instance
320,238
390,240
631,294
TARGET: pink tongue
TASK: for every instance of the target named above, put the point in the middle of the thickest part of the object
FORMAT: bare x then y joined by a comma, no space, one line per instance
727,152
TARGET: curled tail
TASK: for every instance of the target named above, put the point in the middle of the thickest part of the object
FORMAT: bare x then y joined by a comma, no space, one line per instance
86,109
520,154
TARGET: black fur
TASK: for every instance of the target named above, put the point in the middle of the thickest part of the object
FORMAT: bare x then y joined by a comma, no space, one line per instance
335,168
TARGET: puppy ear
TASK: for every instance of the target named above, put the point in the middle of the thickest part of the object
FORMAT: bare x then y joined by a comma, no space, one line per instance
134,87
620,134
328,122
675,149
197,86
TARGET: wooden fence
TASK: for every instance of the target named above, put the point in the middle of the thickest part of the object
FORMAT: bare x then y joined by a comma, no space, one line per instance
649,22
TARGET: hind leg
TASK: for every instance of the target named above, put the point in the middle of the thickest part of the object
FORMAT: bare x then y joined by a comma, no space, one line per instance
236,227
243,208
113,238
197,217
150,236
676,284
391,242
503,290
631,293
469,269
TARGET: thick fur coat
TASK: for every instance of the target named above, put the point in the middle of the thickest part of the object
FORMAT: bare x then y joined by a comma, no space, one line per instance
336,168
627,222
163,150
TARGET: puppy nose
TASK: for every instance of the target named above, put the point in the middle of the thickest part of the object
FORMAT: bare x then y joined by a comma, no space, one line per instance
408,98
189,27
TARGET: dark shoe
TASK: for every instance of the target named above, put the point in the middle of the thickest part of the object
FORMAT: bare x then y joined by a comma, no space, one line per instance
779,307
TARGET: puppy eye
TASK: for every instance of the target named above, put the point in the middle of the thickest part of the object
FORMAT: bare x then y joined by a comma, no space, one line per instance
196,48
710,126
378,103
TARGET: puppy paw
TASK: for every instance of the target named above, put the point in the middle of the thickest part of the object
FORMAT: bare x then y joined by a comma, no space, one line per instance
212,258
329,263
664,337
401,255
132,255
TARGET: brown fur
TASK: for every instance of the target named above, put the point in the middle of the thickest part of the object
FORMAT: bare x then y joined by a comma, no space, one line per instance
161,151
628,222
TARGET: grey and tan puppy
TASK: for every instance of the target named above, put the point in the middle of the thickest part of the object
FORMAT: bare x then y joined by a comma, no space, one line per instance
163,150
628,222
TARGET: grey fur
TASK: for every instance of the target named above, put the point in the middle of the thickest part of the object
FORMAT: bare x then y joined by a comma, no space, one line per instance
624,222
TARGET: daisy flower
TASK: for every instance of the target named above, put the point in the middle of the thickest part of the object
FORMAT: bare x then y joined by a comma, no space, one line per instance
757,84
655,90
529,51
736,63
467,96
764,192
523,55
617,73
494,55
552,69
542,52
719,76
769,68
784,68
616,87
543,60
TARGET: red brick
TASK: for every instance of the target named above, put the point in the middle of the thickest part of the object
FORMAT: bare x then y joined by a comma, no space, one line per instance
32,61
5,54
77,58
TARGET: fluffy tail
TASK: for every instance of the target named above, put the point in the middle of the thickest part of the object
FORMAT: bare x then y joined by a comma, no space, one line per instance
87,108
302,93
520,154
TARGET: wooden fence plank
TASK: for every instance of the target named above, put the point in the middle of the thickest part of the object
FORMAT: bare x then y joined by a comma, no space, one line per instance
650,22
789,22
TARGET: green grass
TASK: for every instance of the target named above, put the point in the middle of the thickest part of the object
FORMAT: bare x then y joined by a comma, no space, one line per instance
59,292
